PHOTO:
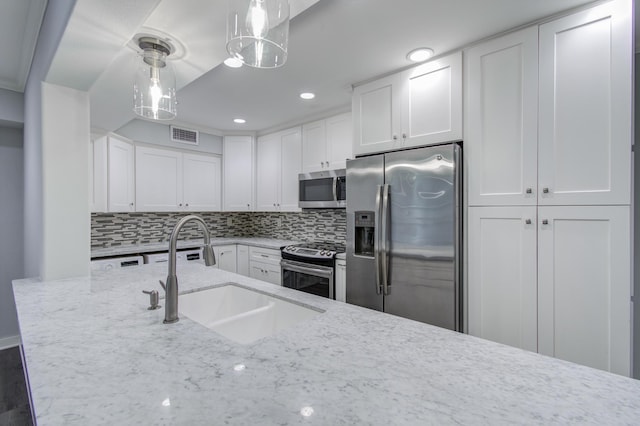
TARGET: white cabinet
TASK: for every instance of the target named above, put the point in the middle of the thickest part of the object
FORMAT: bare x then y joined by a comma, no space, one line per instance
238,168
264,264
113,175
584,285
278,166
168,180
558,281
327,144
226,257
341,280
502,284
242,260
501,120
584,140
419,106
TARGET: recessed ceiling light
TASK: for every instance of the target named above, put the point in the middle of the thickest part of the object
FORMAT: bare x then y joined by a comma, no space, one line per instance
239,120
307,95
420,54
233,62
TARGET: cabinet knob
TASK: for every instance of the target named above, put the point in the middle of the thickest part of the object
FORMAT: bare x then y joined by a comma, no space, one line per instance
180,204
395,137
529,191
545,190
278,205
545,222
187,205
327,164
249,205
528,221
131,204
274,204
404,136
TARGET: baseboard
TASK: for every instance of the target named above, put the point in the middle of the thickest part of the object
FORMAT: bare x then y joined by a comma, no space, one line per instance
10,342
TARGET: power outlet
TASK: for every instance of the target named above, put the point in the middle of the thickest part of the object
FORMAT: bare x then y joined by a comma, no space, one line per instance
229,221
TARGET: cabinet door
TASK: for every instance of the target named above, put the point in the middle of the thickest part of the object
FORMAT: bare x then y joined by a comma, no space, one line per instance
501,120
341,281
268,173
585,107
584,285
120,175
238,168
158,179
266,272
226,257
314,146
502,285
242,260
291,147
201,182
339,140
99,187
432,102
377,116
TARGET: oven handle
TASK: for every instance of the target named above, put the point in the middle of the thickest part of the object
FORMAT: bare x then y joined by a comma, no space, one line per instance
297,267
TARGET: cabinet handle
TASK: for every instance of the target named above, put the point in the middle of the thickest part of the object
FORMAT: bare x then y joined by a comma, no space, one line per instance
529,191
528,221
249,205
404,136
545,190
545,222
395,137
327,164
278,205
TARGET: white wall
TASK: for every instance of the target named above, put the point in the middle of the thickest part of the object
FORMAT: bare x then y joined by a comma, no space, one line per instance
159,134
65,172
53,25
11,244
11,107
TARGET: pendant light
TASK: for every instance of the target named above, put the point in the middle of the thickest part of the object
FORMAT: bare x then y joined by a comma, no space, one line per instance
154,89
258,32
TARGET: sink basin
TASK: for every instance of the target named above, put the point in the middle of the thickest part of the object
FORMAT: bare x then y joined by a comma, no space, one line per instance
241,314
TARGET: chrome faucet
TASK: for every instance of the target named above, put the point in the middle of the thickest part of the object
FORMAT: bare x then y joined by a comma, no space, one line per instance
171,287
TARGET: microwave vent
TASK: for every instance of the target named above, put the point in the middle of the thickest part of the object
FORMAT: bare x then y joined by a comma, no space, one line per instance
188,136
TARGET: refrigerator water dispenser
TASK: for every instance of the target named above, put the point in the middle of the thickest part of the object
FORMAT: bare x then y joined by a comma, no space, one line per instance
365,231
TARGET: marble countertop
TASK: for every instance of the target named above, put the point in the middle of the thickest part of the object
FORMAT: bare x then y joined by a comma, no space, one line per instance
96,355
272,243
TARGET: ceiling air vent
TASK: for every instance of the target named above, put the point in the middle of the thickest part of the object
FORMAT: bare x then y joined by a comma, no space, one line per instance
178,134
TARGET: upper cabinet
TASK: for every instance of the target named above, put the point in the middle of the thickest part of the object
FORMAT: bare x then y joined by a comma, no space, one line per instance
113,175
168,180
278,163
585,113
327,144
419,106
501,120
238,168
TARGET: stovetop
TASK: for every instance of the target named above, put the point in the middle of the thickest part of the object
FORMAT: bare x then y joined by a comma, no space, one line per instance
314,250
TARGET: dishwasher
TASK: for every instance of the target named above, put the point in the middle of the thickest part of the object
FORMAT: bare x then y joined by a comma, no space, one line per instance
188,255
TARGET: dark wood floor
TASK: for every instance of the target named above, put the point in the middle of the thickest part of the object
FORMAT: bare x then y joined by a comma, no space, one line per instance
14,402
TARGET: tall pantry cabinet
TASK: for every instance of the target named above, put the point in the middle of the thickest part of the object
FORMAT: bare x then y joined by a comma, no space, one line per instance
548,154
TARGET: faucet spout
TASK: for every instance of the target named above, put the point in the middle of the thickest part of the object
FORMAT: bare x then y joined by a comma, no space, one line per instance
171,286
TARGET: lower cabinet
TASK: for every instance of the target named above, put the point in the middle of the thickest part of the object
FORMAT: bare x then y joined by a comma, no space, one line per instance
226,257
341,280
242,260
264,264
554,279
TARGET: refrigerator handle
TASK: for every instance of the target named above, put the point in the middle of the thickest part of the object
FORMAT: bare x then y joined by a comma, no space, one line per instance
384,237
377,248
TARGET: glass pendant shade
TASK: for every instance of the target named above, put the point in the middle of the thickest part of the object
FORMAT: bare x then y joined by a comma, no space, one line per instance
154,89
258,32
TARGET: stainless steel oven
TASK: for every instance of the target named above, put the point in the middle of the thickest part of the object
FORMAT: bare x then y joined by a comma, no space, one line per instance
314,279
310,267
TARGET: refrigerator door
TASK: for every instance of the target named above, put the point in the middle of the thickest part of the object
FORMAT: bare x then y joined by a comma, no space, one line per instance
422,214
364,179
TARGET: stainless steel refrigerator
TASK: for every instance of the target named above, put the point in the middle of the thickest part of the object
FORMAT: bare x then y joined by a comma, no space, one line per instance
404,234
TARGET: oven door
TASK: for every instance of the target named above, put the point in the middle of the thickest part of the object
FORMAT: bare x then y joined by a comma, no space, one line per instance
309,278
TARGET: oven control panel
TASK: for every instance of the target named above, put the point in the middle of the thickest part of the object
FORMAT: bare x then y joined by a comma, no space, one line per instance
309,252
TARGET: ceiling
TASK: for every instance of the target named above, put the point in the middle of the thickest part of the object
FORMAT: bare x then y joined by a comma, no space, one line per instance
333,45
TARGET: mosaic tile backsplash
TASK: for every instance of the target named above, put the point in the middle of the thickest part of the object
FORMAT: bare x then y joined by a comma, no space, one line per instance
119,229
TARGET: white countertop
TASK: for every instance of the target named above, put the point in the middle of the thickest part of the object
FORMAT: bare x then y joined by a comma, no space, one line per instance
96,355
263,242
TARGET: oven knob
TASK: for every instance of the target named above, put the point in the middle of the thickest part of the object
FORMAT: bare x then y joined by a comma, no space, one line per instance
321,252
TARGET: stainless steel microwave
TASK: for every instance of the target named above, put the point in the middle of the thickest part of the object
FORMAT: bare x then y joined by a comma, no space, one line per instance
323,189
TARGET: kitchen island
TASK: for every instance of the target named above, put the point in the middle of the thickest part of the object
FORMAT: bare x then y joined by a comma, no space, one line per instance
96,355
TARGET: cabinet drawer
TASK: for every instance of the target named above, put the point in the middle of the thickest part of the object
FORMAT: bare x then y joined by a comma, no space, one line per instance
269,256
